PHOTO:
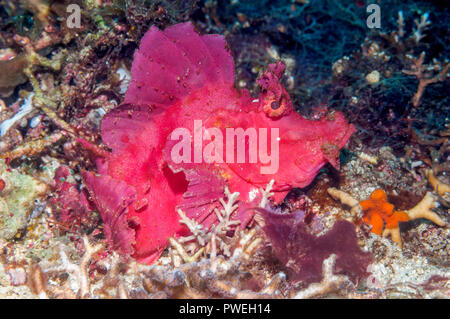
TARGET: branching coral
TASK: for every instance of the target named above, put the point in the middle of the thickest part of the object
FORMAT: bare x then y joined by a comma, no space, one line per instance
330,282
221,278
378,213
441,188
214,262
78,284
398,38
425,75
79,271
204,278
201,279
421,26
349,201
217,240
379,110
424,210
217,276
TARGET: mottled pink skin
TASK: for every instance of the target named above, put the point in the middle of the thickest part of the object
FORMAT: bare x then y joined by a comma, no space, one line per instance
72,203
179,76
113,208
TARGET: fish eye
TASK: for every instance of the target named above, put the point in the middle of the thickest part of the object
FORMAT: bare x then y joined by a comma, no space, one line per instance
274,108
275,105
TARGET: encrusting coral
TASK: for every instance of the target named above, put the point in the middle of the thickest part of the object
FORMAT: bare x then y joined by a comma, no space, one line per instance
379,213
18,193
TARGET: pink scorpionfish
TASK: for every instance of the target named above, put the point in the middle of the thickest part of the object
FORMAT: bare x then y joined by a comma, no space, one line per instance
184,132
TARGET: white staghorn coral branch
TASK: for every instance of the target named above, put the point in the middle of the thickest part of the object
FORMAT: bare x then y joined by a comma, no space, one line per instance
424,210
182,252
205,237
401,24
197,230
224,215
395,235
215,240
330,282
421,27
441,188
80,271
266,193
356,211
343,197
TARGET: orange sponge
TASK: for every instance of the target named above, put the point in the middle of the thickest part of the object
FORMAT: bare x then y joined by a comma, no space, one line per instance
379,213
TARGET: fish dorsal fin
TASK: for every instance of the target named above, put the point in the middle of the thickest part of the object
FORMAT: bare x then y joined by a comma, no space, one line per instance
173,63
169,66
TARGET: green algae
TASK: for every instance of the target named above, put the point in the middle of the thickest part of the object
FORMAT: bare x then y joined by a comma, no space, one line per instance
16,200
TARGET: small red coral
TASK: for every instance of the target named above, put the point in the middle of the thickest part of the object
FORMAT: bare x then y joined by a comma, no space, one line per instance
72,205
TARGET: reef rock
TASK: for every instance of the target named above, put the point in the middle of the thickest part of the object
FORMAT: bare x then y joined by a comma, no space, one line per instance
17,199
